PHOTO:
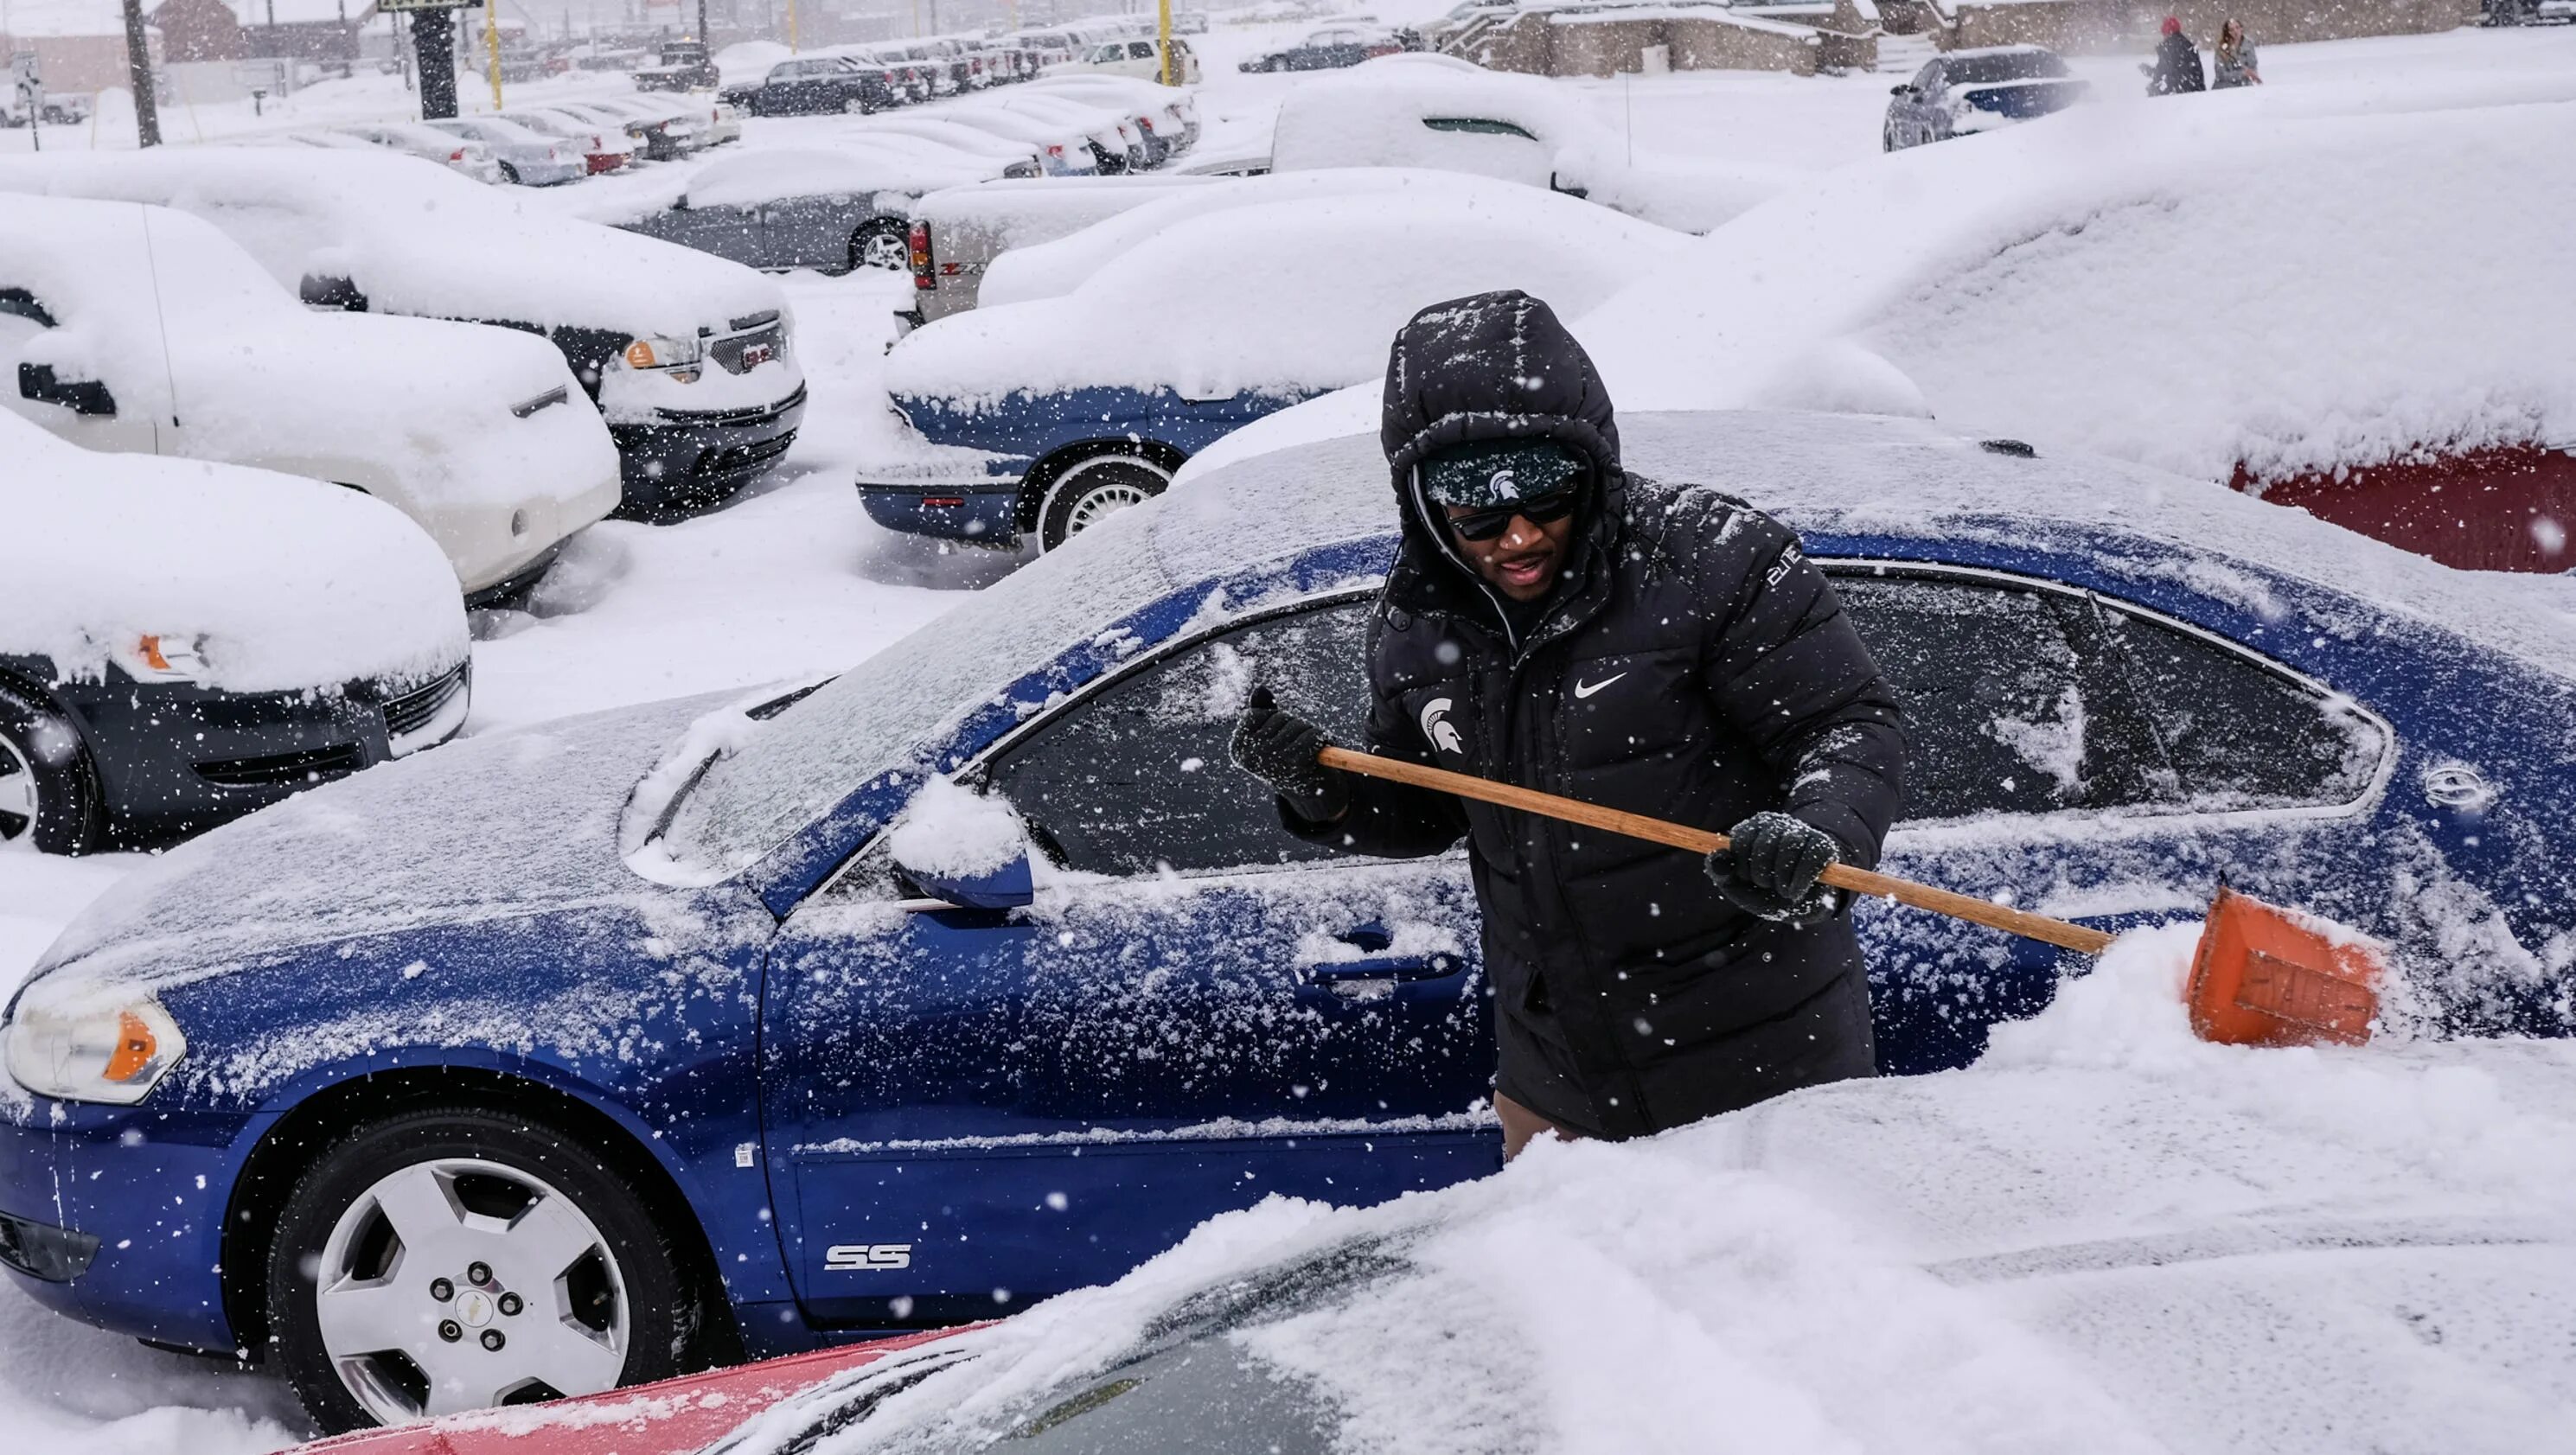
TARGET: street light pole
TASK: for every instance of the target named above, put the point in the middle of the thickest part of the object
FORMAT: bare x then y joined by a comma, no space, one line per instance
138,74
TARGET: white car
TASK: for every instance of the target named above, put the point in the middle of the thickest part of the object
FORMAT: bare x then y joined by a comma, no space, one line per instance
143,330
1169,116
182,643
1437,111
525,157
690,358
1063,148
603,148
1142,59
460,155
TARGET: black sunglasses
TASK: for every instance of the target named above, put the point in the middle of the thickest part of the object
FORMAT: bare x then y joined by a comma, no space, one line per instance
1484,525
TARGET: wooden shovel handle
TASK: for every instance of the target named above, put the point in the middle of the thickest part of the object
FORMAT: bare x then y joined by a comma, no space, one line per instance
1700,841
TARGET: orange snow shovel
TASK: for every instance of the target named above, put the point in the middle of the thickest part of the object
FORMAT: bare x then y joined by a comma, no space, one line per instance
2263,976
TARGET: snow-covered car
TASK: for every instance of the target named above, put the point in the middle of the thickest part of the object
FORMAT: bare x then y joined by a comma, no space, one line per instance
971,131
2055,284
1141,59
834,210
1115,144
977,974
182,643
1331,48
724,123
1961,93
525,157
461,155
1099,362
1167,117
957,233
664,131
603,148
1435,111
146,331
812,85
687,357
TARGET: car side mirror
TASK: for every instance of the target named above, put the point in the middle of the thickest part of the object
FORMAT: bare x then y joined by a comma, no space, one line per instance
963,847
80,396
1900,91
1003,886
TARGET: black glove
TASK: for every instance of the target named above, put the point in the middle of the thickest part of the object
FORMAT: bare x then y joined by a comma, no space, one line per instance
1769,869
1279,748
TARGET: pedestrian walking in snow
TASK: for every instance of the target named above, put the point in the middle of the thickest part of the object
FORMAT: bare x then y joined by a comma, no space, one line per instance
1556,622
2232,59
2177,64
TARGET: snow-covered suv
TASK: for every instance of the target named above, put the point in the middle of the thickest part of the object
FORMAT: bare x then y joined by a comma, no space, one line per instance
140,329
687,355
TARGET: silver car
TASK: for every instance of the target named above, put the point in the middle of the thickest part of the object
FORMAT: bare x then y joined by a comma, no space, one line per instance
526,158
458,154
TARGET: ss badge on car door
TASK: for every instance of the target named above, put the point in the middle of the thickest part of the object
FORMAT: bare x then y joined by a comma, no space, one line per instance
866,1257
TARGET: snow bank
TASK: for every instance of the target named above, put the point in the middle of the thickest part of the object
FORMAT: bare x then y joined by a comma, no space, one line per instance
2189,286
2004,1259
416,238
1173,310
1397,111
292,584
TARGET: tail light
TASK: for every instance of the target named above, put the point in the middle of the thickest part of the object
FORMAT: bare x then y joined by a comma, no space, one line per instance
922,275
457,155
1055,151
1145,123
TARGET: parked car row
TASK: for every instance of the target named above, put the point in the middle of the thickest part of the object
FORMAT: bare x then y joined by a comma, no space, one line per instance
539,146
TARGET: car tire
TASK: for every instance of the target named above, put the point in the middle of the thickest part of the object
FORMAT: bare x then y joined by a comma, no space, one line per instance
1277,64
576,1276
509,174
855,106
880,243
49,797
1092,489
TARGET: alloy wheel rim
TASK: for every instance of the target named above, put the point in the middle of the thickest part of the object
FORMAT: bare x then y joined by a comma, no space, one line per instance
20,805
884,250
457,1284
1100,501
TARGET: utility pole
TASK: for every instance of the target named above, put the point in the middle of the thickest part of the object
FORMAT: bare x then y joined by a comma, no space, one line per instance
791,27
704,39
1163,23
138,74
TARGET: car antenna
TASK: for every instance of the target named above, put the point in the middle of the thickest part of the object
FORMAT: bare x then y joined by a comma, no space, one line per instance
152,266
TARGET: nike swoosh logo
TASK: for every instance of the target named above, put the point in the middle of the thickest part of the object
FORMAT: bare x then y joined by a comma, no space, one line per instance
1586,689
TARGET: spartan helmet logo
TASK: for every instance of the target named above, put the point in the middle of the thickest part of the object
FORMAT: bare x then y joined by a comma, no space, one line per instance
1503,485
1437,727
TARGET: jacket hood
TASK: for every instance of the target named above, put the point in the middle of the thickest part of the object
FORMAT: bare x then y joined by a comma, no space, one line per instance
1492,366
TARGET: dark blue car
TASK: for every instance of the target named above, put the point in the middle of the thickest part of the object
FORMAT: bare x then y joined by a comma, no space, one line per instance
561,1058
1960,93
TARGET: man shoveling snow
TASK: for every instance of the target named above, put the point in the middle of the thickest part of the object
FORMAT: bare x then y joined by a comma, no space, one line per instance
1556,623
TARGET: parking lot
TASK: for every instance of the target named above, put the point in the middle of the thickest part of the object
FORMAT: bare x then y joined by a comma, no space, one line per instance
795,578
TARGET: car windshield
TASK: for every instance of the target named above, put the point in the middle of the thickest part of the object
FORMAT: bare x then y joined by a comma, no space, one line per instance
2002,66
1195,1366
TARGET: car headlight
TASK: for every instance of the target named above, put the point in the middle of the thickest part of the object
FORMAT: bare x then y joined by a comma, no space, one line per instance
162,657
679,356
114,1056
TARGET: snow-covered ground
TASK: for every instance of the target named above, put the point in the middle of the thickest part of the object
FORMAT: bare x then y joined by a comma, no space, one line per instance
792,579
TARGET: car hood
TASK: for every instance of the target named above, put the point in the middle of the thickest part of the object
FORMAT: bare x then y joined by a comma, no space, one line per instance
483,829
292,584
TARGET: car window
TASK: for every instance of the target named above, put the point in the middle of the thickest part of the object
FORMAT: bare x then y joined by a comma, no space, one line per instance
1477,125
1135,777
2007,712
2239,732
1928,80
2010,66
1140,50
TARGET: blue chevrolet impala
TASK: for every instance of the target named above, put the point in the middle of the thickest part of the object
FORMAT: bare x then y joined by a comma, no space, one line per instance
563,1058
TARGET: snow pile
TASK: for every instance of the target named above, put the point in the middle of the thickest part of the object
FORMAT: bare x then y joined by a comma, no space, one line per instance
2127,1010
1397,111
416,238
2186,286
289,583
950,831
1173,311
863,167
748,62
2010,1258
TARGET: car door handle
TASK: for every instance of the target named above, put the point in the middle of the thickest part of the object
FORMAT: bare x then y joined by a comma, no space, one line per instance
1387,967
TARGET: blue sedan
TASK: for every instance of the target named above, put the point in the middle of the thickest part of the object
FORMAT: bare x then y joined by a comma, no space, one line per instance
564,1058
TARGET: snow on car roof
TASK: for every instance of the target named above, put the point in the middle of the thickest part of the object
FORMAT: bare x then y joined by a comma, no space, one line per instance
2105,1237
2113,279
1820,472
861,168
417,238
292,583
1174,309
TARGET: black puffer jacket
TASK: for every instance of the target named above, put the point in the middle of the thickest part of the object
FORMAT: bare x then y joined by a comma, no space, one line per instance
1694,667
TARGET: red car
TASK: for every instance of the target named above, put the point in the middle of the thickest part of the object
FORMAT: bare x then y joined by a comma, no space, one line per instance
2507,508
